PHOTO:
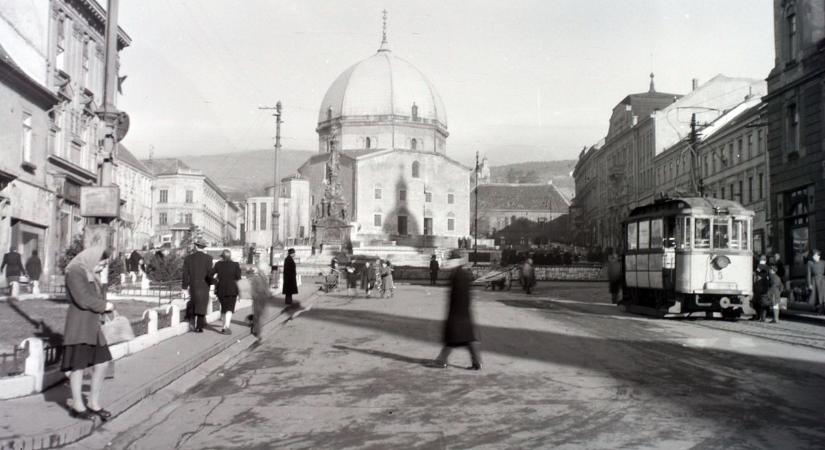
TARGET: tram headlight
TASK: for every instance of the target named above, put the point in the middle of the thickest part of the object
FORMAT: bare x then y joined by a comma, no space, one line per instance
719,262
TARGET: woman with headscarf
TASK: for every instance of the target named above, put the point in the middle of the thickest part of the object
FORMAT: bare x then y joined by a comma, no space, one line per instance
84,344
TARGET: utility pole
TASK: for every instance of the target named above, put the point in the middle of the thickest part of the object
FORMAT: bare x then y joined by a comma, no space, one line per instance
696,184
104,206
275,185
475,220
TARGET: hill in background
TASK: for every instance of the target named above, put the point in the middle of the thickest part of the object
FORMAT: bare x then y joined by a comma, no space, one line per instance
538,172
247,173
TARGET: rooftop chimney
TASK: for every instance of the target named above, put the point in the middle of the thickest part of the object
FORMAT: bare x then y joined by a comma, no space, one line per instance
694,84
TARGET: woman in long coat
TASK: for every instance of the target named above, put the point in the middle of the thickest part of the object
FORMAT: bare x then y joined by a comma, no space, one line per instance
290,277
228,273
816,281
84,344
459,330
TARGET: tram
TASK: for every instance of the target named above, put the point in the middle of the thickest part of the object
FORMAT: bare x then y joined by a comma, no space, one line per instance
688,256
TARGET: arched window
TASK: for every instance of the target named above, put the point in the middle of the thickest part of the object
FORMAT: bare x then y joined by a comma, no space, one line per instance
414,144
367,143
416,169
329,113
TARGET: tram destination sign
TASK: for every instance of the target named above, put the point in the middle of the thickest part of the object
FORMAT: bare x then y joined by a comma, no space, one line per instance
100,201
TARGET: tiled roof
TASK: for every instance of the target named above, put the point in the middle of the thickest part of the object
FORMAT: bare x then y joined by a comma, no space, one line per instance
124,155
522,197
165,166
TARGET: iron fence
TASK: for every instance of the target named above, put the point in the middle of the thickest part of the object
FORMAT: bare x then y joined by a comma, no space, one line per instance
13,363
164,291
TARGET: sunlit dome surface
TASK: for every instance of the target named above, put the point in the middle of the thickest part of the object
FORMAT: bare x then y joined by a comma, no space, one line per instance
382,85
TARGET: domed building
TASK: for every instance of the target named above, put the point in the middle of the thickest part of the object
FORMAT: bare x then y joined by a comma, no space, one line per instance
388,126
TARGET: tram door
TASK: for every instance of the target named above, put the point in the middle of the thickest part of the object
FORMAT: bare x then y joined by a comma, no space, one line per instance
669,254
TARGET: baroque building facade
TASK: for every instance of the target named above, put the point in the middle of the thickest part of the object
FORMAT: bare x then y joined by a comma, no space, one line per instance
389,126
730,163
293,214
182,198
620,173
56,48
135,180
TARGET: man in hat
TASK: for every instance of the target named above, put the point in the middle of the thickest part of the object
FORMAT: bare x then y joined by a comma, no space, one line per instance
197,271
290,277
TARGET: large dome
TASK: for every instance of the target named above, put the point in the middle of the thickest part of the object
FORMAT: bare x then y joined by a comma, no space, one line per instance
382,85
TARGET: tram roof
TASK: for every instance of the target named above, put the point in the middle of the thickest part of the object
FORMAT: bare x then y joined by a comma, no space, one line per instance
691,205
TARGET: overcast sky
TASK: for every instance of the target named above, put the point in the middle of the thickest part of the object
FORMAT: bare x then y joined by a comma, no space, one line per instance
538,76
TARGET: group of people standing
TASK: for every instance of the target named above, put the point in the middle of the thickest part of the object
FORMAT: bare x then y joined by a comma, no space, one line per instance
15,271
199,274
374,276
769,284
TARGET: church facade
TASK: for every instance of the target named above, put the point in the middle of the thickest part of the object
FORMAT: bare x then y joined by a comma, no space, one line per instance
389,127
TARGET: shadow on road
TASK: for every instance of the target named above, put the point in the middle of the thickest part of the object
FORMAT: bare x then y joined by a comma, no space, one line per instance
386,355
716,383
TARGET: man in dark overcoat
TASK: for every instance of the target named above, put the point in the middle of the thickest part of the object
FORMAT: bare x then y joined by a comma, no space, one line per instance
290,277
34,268
228,273
13,265
459,330
197,276
433,270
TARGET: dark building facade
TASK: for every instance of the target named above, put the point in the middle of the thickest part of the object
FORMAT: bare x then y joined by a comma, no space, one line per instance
795,118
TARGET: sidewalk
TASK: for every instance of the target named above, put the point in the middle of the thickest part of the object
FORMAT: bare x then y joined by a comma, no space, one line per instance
802,315
42,421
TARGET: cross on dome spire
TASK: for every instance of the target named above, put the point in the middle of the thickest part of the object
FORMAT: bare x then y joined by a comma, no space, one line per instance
385,46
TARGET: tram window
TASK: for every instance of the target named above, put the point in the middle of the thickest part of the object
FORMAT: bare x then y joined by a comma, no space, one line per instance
721,232
701,237
644,234
683,232
736,235
656,233
739,235
631,236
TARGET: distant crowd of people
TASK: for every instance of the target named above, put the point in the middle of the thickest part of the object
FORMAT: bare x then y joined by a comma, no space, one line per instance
374,276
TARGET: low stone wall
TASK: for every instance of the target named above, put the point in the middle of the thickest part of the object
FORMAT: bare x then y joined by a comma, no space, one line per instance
543,273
